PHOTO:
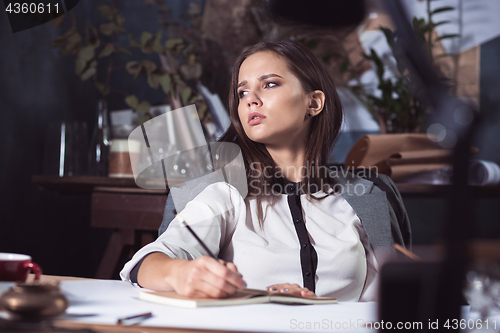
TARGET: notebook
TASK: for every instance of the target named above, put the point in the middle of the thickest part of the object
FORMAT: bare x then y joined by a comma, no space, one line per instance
247,296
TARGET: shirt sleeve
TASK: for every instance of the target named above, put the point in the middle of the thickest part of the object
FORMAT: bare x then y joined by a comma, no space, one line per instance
211,215
401,226
369,292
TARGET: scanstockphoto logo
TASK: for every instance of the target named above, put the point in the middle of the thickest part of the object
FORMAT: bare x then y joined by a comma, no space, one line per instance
174,154
28,14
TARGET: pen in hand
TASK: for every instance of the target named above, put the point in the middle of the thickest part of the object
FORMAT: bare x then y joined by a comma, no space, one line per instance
183,222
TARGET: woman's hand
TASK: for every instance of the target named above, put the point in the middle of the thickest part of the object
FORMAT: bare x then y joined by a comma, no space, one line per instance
206,277
294,289
203,277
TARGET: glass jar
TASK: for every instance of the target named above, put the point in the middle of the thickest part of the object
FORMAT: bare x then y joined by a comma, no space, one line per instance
99,145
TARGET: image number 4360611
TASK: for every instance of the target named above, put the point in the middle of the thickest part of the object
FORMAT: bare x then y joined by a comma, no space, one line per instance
28,14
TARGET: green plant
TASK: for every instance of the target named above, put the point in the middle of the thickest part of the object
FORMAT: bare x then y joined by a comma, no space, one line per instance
398,109
175,69
395,107
425,29
93,46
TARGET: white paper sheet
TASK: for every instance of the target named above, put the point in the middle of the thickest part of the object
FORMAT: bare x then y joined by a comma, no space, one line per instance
109,300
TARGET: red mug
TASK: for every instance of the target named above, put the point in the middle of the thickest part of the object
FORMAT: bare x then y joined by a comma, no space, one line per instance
15,267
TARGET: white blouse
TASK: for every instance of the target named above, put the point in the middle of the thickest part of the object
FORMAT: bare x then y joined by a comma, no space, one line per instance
228,224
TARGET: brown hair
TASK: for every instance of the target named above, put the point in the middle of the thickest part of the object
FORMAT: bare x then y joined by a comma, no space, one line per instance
324,127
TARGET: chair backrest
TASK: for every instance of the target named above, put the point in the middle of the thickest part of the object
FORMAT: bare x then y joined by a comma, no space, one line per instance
168,214
170,211
393,201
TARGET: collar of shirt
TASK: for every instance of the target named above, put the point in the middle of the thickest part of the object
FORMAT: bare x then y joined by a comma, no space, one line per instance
291,188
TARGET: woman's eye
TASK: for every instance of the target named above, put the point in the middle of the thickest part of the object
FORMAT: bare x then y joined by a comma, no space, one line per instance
271,84
242,93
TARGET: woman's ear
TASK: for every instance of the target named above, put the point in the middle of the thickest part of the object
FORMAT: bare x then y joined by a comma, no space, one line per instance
317,103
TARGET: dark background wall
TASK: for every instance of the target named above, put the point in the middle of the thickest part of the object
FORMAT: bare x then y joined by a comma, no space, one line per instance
38,86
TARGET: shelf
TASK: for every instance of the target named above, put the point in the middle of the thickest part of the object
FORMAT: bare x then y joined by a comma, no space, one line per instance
86,184
409,189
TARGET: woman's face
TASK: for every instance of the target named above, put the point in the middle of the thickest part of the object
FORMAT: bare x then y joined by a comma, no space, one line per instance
273,107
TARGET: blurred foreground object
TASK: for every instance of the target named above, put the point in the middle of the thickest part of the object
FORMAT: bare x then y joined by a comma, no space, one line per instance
456,121
34,301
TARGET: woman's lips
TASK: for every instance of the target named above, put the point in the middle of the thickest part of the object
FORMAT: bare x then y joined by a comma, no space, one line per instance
255,118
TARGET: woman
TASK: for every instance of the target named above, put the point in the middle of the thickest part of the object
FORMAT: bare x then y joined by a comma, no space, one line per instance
296,231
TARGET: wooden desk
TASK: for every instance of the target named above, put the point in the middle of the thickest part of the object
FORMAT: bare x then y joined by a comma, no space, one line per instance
60,327
134,214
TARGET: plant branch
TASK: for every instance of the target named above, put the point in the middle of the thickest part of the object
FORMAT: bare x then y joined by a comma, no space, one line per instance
110,69
431,30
